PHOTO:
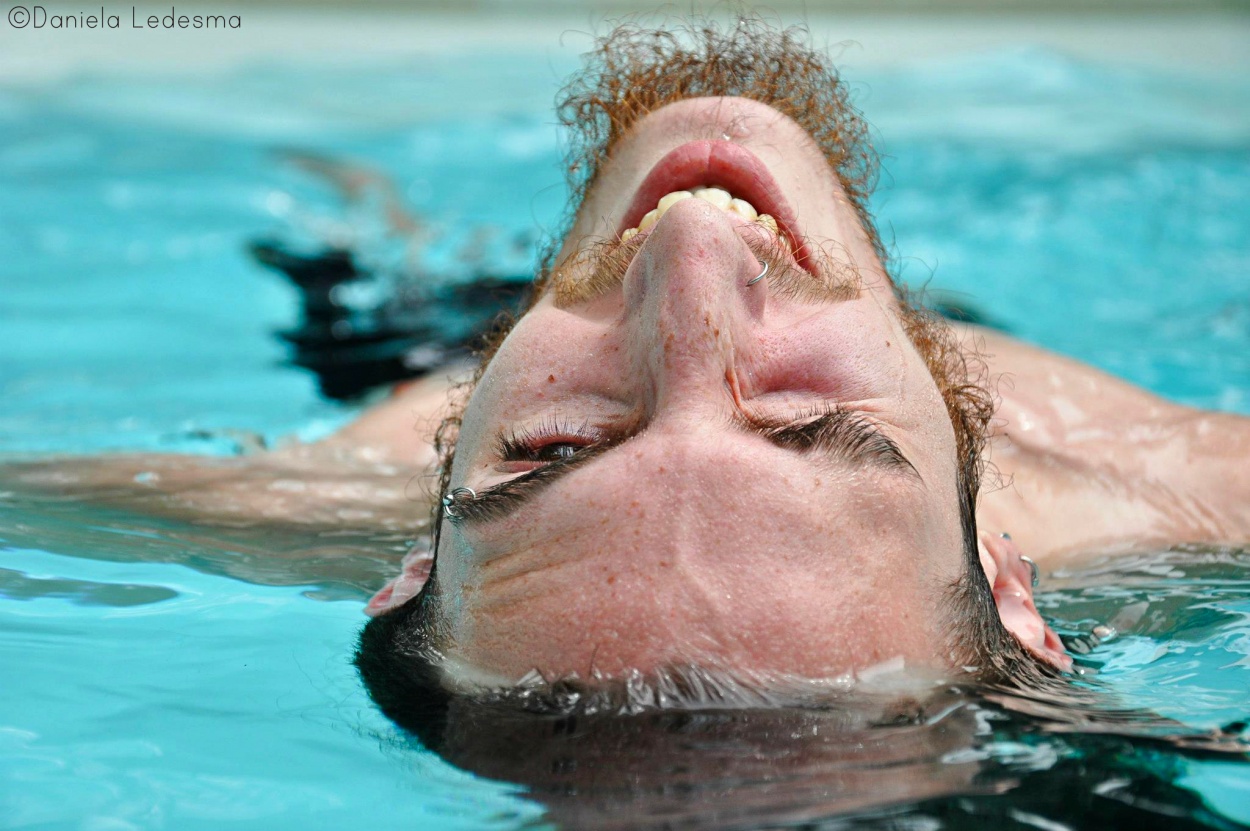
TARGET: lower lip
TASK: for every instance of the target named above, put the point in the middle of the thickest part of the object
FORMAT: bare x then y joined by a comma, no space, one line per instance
715,164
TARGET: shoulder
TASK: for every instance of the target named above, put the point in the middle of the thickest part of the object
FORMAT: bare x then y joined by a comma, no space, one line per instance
402,426
1082,460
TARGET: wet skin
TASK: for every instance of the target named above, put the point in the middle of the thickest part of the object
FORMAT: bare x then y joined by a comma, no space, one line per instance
687,536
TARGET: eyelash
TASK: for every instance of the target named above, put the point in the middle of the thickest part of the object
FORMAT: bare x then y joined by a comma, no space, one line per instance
865,436
523,444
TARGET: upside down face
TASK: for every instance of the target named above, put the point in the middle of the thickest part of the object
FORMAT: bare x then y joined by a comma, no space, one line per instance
674,462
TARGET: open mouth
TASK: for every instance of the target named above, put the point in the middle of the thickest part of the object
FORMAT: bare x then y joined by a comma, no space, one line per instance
723,174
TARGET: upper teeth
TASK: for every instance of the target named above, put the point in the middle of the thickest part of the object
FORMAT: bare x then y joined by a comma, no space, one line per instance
715,196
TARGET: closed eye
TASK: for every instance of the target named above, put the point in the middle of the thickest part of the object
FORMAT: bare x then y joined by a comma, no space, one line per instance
847,435
553,440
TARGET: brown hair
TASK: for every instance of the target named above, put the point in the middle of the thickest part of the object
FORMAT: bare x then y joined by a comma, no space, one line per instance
630,73
633,71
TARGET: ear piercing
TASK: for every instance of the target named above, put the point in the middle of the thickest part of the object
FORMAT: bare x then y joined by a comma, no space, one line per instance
1032,567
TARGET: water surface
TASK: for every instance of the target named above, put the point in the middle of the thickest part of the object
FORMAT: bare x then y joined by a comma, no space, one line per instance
161,674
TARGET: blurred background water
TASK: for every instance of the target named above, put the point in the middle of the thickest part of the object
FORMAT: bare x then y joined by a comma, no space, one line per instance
1099,208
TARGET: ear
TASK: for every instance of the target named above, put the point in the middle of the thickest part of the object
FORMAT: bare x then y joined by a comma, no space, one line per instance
417,564
1011,579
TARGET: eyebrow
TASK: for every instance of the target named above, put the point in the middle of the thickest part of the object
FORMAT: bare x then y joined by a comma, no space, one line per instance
844,435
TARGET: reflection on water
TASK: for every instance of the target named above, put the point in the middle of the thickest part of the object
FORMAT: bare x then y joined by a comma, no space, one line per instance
1162,695
1170,630
1154,731
14,585
164,673
946,766
332,558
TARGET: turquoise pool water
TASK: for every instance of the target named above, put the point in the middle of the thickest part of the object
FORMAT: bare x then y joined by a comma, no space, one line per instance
158,675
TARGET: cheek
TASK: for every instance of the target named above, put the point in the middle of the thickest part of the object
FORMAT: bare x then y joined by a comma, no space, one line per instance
548,356
923,411
842,359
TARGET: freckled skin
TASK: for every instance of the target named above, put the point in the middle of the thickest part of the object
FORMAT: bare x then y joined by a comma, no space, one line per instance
819,557
692,542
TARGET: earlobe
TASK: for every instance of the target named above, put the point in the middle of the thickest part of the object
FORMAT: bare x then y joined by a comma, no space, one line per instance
417,564
1010,575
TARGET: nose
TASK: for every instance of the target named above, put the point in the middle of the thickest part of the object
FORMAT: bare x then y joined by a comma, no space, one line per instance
690,312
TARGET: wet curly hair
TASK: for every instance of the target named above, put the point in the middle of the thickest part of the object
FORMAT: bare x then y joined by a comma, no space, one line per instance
631,72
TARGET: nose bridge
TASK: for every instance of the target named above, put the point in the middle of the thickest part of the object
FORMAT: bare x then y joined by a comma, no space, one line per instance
690,310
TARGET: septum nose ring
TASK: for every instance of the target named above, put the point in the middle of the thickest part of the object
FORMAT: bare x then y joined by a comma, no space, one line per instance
759,276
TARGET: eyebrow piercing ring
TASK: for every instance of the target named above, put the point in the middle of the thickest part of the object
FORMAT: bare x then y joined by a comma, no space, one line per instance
760,276
1032,567
451,500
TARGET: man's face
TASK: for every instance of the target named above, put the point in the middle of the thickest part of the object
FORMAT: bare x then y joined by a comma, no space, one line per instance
674,466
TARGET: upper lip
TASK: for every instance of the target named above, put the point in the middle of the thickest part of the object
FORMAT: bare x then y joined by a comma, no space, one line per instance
720,164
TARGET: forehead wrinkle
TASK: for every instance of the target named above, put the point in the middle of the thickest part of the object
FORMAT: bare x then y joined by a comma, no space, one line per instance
516,588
